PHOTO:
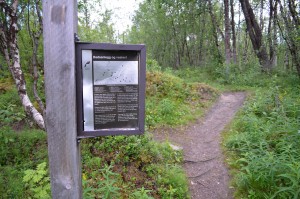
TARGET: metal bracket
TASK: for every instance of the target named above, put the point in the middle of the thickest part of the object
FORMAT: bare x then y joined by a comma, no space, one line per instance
76,37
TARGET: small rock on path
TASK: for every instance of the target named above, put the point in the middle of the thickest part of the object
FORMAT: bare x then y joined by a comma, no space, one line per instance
203,159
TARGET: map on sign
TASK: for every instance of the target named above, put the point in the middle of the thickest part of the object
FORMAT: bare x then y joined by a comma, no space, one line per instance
111,80
115,72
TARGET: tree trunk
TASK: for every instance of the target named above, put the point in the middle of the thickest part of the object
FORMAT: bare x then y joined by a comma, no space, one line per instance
177,44
227,39
21,87
291,34
255,34
261,17
233,33
245,52
227,33
215,33
201,47
286,60
35,36
273,36
9,47
239,51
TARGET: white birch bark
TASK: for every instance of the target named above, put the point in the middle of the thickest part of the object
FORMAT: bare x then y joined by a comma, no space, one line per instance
8,38
21,87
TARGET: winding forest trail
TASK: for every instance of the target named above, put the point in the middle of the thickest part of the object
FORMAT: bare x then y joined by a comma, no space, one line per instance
203,158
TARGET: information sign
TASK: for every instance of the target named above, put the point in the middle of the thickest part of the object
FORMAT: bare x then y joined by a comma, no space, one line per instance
110,89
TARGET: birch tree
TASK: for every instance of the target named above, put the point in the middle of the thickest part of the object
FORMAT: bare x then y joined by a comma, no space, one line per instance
10,51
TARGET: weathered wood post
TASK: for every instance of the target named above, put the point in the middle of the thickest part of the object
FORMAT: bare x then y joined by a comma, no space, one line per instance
60,24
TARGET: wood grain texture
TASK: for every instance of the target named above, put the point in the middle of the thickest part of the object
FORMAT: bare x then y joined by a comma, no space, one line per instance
60,24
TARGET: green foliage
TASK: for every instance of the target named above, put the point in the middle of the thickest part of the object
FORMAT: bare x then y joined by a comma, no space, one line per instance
6,84
17,149
96,27
264,143
9,114
169,97
106,185
152,65
247,75
134,166
18,153
141,193
177,33
4,72
174,181
11,110
37,182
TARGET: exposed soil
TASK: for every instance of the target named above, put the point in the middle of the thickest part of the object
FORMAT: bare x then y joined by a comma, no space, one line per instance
203,158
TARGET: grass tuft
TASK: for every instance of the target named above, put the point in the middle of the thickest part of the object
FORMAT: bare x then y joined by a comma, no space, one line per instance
263,144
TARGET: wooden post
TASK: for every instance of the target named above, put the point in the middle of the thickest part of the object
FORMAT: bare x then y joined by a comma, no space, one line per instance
60,24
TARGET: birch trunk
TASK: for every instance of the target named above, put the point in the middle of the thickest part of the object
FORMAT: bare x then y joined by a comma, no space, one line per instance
18,76
233,33
8,39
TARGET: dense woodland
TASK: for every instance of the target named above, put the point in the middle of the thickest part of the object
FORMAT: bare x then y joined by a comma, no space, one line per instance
219,35
232,35
251,45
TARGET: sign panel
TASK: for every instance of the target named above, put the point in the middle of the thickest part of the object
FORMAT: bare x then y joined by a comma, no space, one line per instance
111,89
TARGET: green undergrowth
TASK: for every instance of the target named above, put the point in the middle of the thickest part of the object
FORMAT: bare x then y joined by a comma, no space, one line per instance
19,152
131,166
263,142
240,78
11,111
112,167
172,101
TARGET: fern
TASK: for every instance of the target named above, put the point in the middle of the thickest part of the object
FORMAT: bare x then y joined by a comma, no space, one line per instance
37,182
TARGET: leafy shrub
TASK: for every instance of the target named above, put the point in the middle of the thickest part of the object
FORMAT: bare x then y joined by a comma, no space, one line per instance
132,165
10,114
172,101
37,182
152,65
165,85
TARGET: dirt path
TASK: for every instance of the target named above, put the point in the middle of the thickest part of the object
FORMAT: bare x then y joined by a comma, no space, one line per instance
203,159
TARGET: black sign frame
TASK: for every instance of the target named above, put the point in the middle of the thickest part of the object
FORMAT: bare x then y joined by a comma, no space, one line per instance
114,48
